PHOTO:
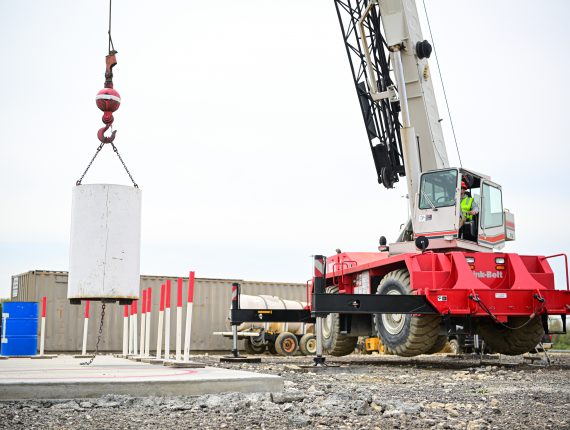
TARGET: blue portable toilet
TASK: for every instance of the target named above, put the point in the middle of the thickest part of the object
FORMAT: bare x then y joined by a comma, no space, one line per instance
19,328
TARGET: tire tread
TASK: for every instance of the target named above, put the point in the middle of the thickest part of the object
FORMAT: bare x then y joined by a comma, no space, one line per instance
424,331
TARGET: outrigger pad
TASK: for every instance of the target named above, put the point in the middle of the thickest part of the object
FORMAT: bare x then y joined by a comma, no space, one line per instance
241,359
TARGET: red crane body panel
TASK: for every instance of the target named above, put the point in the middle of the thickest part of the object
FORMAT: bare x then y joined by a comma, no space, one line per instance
459,283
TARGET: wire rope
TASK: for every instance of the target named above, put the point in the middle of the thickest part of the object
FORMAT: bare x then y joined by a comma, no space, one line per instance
442,84
111,46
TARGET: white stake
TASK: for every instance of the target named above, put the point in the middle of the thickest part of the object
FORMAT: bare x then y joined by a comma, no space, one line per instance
148,315
131,319
188,329
126,330
160,324
43,332
135,325
167,322
85,328
179,321
143,323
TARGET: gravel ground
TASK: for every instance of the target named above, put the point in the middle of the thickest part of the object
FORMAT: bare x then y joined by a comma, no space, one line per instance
363,392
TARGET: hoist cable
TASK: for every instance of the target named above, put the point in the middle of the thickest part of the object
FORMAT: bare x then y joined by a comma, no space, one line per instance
111,46
442,85
108,100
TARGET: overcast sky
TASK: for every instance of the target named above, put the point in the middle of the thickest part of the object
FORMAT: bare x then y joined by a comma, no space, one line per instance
241,124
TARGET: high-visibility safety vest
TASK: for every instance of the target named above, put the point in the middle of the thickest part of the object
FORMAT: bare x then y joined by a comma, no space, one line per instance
466,207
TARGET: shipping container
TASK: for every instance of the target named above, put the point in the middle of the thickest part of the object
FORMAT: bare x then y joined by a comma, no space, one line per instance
64,322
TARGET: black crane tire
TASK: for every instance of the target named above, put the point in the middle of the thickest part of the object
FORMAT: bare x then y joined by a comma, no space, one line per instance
405,335
335,343
438,345
506,341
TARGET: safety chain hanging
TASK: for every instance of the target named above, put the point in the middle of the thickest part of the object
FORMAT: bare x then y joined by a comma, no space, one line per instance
88,363
108,100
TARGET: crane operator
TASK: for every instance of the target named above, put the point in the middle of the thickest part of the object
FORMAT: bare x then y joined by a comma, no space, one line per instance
469,207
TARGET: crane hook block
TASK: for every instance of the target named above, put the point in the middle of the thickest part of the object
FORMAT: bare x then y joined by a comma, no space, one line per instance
108,100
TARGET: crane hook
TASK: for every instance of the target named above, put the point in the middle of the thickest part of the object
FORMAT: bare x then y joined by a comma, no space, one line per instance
103,138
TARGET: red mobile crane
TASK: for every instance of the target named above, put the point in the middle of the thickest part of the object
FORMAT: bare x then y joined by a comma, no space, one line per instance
446,268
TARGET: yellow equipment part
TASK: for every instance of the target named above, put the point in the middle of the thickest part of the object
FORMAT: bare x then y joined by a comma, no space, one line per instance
372,344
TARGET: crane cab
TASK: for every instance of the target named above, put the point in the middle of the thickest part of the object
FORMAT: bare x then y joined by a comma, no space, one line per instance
440,212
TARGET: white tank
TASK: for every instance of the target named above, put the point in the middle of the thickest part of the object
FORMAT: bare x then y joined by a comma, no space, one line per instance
273,302
104,252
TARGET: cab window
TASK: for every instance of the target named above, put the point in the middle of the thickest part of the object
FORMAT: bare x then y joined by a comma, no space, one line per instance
492,207
437,189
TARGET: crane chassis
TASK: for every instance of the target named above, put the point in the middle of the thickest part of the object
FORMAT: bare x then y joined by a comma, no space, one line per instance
445,269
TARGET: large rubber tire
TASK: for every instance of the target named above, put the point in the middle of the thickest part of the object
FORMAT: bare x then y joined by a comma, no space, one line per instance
404,334
335,343
511,342
286,344
308,344
438,345
250,348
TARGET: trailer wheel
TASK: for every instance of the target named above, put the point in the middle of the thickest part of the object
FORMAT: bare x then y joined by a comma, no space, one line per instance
271,348
454,347
404,334
308,344
335,343
251,348
286,344
511,342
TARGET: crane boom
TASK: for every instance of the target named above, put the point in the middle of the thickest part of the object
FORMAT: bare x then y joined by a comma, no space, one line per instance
388,59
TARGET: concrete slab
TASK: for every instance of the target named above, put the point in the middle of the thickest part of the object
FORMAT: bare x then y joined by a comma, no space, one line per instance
43,357
183,364
64,378
16,356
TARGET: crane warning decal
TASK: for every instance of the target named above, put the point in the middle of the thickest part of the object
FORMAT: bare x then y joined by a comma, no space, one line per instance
362,283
